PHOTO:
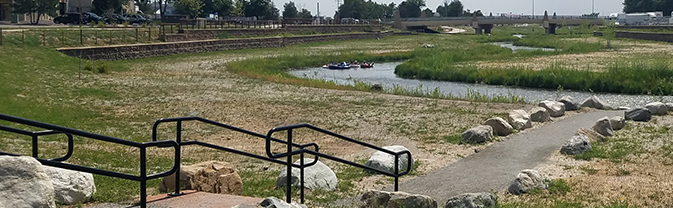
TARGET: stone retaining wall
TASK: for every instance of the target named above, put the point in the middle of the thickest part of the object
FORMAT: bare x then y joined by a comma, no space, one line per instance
137,51
209,34
666,37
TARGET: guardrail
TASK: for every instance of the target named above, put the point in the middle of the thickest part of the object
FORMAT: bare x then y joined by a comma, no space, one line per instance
288,192
178,139
59,162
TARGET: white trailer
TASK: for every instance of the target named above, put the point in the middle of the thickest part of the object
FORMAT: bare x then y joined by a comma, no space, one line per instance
633,19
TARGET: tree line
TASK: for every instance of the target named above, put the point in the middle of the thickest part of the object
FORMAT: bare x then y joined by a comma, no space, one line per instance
631,6
361,9
265,9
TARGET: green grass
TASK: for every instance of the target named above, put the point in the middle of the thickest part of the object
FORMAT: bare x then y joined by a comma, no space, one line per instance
645,76
616,151
639,75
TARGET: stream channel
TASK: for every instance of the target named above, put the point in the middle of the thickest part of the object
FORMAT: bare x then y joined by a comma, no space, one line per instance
384,74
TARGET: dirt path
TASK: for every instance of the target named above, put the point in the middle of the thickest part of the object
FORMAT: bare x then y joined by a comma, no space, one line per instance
493,168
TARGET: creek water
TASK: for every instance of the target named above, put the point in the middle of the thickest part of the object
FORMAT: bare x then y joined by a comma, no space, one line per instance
384,74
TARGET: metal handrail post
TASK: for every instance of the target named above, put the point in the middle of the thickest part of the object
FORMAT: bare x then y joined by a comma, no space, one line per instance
178,139
397,170
301,176
288,189
143,177
34,146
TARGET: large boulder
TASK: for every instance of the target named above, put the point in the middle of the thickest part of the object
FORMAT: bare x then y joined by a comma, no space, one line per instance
478,134
384,199
657,108
24,184
638,114
499,125
317,176
578,144
526,181
71,187
591,134
539,114
594,102
273,202
669,106
569,103
519,119
386,162
555,109
603,127
472,200
617,123
211,176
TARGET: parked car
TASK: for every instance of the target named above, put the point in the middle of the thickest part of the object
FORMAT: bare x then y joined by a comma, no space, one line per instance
349,20
116,18
69,18
92,17
138,19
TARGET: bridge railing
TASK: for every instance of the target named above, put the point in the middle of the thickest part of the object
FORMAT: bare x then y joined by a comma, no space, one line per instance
500,17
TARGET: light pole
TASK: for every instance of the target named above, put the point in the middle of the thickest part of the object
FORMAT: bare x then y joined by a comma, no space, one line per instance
592,6
533,11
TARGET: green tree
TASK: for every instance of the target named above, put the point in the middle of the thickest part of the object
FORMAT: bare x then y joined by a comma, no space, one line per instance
443,9
239,8
262,9
221,7
428,12
145,6
411,8
189,7
631,6
468,13
305,13
35,8
609,31
353,8
454,9
290,10
101,7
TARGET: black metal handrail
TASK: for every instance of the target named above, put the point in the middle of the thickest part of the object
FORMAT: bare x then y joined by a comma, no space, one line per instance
300,152
35,134
178,139
57,162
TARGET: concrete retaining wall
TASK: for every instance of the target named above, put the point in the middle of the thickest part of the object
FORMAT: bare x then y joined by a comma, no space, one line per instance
209,34
666,37
137,51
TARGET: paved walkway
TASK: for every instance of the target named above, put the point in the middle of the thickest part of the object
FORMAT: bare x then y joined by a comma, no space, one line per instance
496,166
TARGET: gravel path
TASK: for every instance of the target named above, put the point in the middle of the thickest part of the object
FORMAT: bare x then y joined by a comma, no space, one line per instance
493,168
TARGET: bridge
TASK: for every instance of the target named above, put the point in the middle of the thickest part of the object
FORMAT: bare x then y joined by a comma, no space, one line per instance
485,24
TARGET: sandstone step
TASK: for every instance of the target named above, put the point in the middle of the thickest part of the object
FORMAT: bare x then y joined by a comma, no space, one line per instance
195,199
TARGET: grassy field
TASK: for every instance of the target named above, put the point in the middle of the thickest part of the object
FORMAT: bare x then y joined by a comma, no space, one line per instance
123,99
624,73
249,89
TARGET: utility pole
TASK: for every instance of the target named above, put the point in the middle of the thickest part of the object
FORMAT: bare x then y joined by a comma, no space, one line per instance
592,6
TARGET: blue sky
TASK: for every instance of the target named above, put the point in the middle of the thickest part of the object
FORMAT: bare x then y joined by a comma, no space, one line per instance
568,7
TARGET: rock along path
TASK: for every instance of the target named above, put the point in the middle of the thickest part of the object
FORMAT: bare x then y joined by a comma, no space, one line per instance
493,168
